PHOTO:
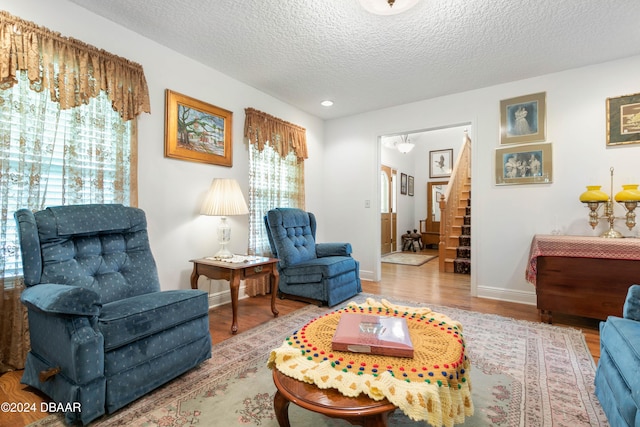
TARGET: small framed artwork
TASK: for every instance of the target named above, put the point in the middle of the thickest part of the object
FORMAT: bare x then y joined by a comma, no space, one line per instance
524,164
440,163
197,131
522,119
623,120
410,186
403,183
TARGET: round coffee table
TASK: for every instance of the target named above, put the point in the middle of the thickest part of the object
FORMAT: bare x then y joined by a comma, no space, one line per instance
361,410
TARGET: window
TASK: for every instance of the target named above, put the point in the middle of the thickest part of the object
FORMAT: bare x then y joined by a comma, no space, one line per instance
50,156
274,181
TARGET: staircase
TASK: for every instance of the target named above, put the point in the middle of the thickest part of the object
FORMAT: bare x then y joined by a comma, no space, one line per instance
455,219
462,262
457,247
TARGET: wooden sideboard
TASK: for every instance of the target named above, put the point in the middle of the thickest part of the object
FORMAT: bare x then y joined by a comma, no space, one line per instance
582,276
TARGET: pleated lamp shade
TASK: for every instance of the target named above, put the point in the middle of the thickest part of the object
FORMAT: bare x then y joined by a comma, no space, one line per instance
224,199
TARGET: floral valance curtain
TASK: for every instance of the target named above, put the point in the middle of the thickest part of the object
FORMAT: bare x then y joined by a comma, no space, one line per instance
72,71
262,129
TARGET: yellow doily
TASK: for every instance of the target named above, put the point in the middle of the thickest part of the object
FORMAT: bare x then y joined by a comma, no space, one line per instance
432,386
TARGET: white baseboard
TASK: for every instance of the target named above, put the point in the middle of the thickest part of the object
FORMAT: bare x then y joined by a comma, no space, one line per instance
224,297
367,275
522,297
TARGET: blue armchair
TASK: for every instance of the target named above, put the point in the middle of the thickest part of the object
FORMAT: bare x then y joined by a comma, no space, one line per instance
102,333
618,375
323,273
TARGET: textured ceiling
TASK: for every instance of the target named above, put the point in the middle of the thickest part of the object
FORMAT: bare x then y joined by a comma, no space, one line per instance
305,51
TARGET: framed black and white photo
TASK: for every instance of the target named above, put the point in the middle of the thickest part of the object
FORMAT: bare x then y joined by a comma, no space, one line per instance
403,183
522,119
524,164
623,120
440,163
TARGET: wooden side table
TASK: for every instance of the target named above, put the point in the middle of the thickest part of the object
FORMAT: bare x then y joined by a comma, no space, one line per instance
234,272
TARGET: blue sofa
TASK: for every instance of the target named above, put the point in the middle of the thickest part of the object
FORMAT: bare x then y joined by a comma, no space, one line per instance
324,273
618,373
102,333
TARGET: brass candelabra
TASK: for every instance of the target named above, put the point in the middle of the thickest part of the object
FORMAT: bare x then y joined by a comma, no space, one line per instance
628,198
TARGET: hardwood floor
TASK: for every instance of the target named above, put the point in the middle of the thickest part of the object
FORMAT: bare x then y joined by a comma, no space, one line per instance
423,284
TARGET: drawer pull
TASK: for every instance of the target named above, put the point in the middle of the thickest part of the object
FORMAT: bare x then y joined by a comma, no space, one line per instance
257,269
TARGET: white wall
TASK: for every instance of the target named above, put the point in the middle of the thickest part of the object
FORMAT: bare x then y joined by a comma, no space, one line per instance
505,218
170,190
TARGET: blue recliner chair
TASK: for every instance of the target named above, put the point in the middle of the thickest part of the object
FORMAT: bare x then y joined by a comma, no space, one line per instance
618,375
102,332
324,273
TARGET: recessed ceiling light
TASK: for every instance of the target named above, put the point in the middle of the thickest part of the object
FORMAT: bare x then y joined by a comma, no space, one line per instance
326,103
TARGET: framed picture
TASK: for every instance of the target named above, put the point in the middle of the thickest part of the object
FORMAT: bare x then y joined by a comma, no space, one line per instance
440,163
197,131
522,119
623,120
410,186
403,183
524,164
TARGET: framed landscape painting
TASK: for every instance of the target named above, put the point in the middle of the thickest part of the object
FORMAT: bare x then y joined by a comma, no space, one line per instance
623,120
522,119
197,131
524,164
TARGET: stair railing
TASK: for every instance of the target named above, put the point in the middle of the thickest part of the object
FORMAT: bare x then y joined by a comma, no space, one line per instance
450,200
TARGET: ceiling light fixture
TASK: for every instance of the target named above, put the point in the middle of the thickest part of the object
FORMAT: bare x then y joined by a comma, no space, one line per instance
387,7
405,145
327,103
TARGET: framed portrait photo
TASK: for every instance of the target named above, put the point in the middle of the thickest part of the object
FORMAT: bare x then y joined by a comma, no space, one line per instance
623,120
440,163
523,119
403,183
524,164
197,131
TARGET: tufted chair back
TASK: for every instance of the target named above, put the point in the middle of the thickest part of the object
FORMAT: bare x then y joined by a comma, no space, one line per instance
293,235
104,248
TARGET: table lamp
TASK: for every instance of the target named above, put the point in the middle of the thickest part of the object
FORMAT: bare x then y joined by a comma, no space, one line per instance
224,199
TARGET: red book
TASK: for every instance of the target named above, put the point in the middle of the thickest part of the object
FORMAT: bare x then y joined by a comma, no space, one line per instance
373,334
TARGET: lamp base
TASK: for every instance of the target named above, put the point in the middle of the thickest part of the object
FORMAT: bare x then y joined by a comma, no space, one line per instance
223,253
611,234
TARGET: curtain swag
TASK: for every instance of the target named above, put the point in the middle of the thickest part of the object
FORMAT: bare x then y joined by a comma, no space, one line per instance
72,71
261,128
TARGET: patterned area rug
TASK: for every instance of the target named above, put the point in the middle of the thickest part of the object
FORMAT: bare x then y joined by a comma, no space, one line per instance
407,258
523,374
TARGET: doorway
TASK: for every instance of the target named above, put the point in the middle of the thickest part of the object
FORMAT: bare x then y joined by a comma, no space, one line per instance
388,216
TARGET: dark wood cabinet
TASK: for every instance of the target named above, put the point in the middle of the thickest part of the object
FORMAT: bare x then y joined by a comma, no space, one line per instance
583,276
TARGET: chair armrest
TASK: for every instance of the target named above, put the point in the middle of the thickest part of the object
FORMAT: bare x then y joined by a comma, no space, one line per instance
631,308
62,299
333,249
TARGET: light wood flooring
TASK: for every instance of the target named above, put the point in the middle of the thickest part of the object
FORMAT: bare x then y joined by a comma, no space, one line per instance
408,283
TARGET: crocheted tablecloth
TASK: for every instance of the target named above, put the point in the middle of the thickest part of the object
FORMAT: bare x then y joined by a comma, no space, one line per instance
433,386
579,247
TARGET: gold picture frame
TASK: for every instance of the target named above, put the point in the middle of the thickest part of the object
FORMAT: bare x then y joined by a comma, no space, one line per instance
623,120
197,131
524,164
523,119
